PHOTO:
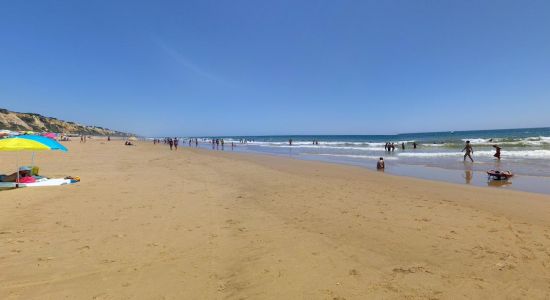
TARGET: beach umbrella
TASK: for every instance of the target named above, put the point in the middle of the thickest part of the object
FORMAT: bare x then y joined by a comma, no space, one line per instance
50,135
30,143
133,138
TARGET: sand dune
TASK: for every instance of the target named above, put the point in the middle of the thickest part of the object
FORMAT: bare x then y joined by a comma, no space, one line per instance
147,223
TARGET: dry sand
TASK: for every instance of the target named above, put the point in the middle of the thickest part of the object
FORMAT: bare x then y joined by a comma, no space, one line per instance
147,223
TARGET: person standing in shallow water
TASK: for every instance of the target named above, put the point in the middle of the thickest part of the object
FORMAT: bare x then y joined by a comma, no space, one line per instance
468,151
497,153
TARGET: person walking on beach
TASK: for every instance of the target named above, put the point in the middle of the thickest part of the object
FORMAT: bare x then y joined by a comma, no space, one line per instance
176,143
468,151
380,165
196,143
232,145
171,143
223,143
497,153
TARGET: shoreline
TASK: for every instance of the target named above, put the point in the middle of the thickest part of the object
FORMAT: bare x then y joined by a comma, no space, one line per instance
146,222
467,176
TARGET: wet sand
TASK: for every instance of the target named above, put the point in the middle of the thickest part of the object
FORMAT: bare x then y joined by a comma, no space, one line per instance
147,223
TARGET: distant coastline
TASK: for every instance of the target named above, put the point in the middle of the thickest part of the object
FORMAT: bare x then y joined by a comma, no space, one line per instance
17,121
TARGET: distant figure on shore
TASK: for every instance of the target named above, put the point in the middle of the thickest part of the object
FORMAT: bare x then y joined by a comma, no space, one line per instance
468,151
290,142
403,146
217,144
176,142
380,165
223,143
196,143
497,153
414,145
232,146
108,138
171,143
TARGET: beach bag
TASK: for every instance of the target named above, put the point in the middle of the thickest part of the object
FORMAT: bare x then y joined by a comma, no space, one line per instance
27,179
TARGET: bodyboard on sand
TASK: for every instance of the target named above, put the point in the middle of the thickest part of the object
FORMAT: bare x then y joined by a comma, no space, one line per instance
38,183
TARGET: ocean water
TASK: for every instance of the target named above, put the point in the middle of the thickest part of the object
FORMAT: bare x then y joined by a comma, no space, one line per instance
526,152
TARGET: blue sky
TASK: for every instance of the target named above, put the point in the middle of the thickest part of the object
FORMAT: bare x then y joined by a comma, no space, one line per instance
278,67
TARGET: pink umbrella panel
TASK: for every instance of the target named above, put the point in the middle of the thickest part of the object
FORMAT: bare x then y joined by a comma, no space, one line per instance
50,135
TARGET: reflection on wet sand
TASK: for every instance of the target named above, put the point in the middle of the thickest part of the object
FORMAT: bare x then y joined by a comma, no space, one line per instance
468,175
499,183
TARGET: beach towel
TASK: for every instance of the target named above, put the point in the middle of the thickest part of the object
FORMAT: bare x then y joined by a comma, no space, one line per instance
27,179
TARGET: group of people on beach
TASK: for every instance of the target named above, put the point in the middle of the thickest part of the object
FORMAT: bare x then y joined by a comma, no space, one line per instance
469,151
390,146
172,142
216,143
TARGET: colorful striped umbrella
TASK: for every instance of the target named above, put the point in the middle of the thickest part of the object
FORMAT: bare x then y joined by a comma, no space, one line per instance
30,143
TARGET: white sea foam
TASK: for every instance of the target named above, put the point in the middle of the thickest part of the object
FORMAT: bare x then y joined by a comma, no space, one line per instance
532,154
309,146
359,156
477,141
306,143
530,141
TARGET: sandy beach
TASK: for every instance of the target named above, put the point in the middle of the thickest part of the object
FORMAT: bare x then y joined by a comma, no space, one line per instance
149,223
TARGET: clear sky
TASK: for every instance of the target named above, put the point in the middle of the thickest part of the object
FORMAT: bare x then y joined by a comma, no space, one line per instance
278,67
